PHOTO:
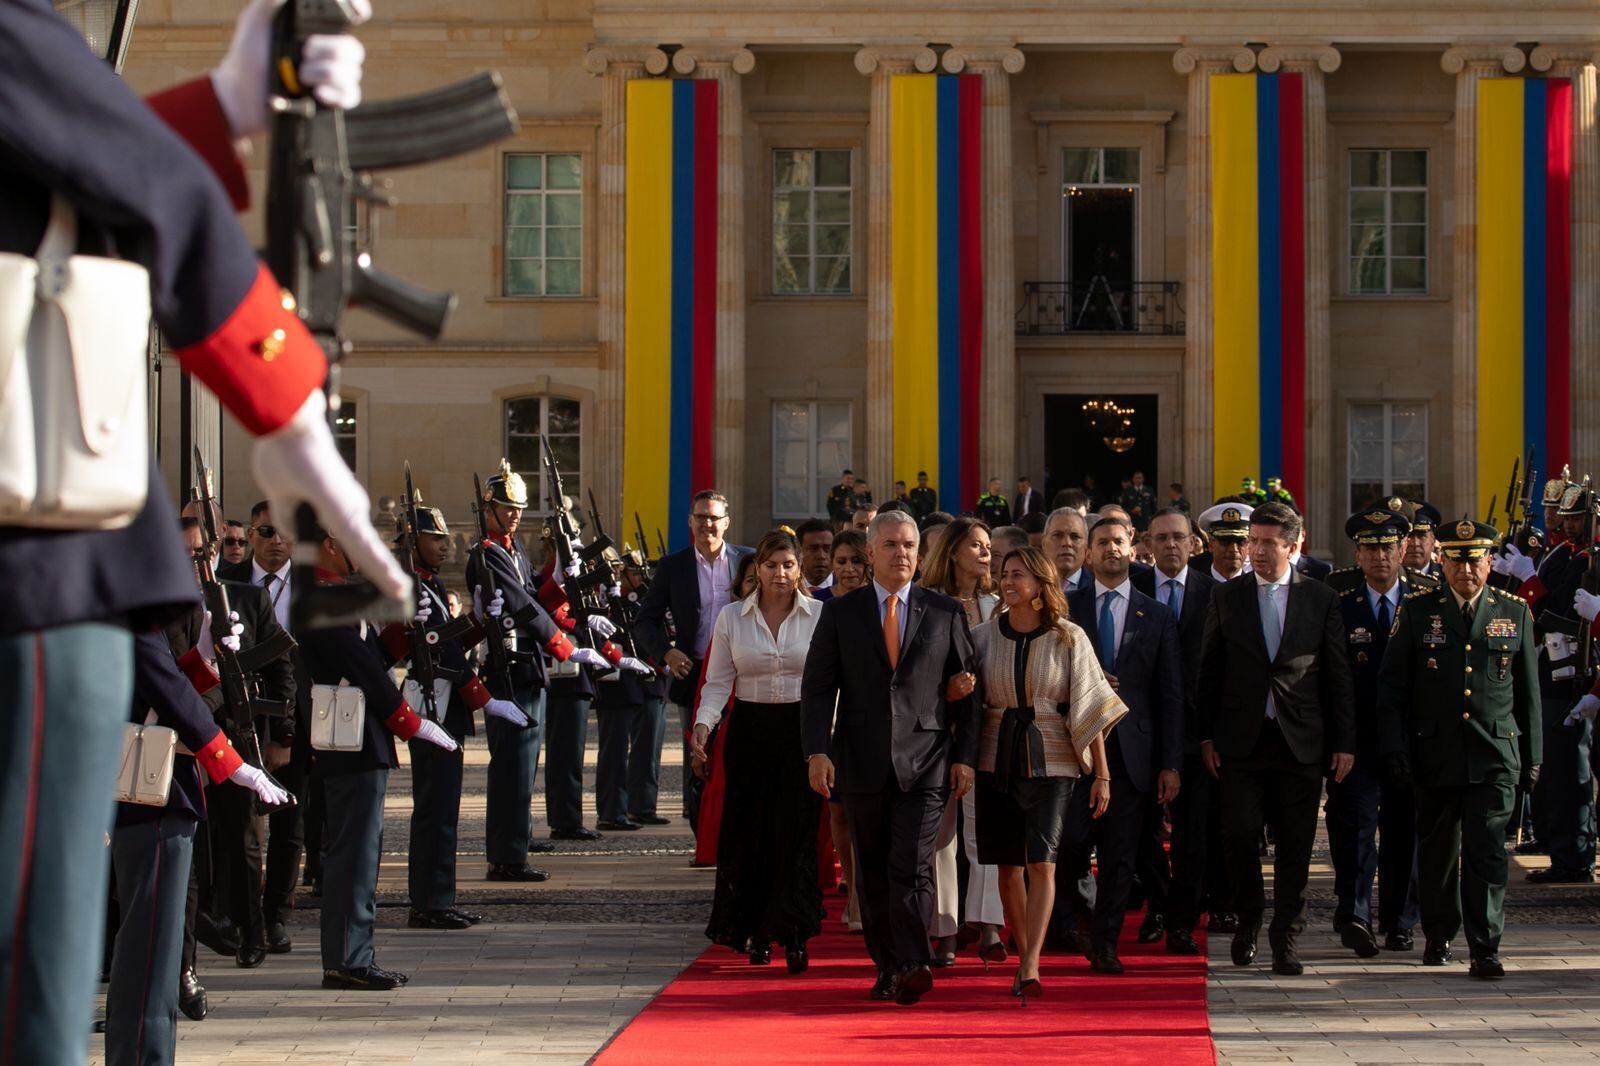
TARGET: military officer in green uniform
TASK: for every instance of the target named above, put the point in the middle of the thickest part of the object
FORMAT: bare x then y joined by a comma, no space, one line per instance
1459,711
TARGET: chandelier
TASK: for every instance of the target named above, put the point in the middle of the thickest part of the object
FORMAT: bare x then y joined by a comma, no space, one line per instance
1112,421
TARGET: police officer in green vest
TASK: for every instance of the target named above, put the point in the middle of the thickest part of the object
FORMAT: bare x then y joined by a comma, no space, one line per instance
1459,709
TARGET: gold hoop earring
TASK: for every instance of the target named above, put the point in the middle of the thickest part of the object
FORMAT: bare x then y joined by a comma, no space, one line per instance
1037,603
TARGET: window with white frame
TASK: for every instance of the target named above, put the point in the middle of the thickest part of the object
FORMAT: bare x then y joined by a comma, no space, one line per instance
811,220
543,224
1388,250
560,419
810,445
1388,452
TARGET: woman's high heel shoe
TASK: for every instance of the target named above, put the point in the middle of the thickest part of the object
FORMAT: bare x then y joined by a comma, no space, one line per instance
797,959
1030,987
992,949
760,954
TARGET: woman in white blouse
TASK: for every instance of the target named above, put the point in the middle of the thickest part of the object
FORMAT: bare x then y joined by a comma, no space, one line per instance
767,849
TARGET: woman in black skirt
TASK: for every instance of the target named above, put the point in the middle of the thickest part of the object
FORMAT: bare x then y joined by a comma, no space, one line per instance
767,851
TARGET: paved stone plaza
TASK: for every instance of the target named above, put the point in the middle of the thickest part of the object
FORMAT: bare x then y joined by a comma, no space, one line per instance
557,968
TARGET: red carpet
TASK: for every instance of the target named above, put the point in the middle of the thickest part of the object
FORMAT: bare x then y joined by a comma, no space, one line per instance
722,1009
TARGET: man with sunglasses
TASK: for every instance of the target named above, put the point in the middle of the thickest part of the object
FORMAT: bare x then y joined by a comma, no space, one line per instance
235,541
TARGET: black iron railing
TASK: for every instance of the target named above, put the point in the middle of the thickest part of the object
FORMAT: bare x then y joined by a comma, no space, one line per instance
1051,308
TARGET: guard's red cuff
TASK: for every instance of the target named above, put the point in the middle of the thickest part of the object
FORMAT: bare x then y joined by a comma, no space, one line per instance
559,647
563,618
1532,589
218,759
262,362
193,112
475,693
551,596
198,671
404,722
395,640
612,653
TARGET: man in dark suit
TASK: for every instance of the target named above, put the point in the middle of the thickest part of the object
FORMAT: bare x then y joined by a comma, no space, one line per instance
883,656
1198,874
1029,500
690,585
1136,639
1276,705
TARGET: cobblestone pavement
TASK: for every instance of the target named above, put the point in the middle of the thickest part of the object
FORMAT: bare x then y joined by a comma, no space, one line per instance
557,968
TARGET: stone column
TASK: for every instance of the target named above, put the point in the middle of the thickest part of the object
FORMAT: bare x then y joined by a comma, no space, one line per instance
1578,63
1312,62
1470,64
726,65
1199,62
880,63
997,408
615,67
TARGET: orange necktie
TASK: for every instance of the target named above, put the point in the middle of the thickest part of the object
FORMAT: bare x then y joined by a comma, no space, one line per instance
891,630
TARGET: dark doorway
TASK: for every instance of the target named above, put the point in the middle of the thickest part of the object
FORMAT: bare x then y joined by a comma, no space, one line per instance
1100,249
1075,444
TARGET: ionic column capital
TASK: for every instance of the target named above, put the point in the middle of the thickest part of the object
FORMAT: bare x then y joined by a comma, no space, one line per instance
1568,56
686,59
983,57
607,59
1190,58
896,58
1459,58
1324,57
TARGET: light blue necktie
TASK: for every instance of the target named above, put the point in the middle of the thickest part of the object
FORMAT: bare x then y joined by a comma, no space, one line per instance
1274,634
1175,596
1108,633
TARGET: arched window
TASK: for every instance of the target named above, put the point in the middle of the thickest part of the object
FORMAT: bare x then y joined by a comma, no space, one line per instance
558,418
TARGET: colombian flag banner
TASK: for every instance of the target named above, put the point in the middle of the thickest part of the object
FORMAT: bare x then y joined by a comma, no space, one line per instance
670,304
1524,217
1258,281
936,248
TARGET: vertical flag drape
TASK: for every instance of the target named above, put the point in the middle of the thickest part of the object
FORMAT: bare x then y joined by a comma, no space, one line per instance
936,255
1524,332
670,300
1258,279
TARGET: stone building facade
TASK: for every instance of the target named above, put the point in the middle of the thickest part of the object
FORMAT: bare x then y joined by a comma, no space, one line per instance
1096,236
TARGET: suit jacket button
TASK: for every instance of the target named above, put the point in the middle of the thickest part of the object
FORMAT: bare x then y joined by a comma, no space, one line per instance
1468,692
1465,715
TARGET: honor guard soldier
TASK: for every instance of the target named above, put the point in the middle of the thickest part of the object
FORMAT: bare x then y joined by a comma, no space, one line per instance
1459,709
501,563
153,184
346,663
1372,818
621,697
436,773
1554,489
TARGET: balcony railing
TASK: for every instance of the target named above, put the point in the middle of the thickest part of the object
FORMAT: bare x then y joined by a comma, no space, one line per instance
1054,308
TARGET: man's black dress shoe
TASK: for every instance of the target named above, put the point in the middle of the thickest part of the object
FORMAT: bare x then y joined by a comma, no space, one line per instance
365,979
884,988
649,819
278,942
1436,953
1222,922
1182,942
393,975
221,937
1105,960
1244,947
507,872
1532,847
913,984
436,920
1357,936
760,955
1399,941
1150,930
797,959
250,957
944,951
471,918
1487,966
1285,963
192,996
540,847
623,826
1553,876
580,833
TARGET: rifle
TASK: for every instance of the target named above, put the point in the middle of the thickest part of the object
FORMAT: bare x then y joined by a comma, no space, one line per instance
495,636
1514,494
644,545
661,546
586,584
423,640
234,668
318,169
1488,518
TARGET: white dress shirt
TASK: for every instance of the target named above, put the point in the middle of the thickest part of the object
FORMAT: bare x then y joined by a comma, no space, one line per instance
280,593
746,662
1119,607
716,586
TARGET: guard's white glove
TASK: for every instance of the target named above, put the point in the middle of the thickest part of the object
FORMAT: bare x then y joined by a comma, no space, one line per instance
601,626
506,711
1499,563
299,463
589,657
1587,604
257,781
574,567
1518,565
330,66
424,608
434,734
495,608
206,644
1585,711
638,666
